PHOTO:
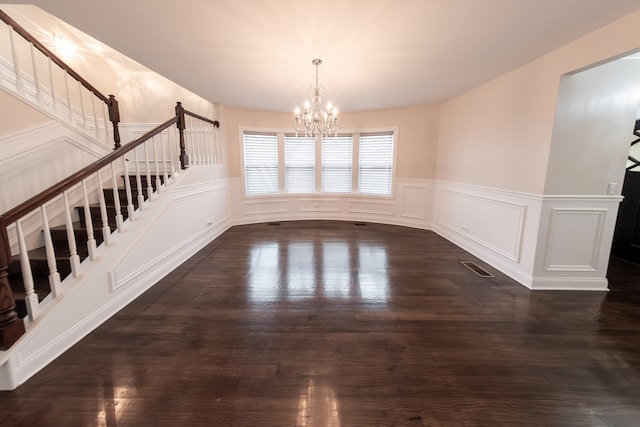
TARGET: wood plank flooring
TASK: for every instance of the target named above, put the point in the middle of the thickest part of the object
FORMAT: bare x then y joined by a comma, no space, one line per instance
322,323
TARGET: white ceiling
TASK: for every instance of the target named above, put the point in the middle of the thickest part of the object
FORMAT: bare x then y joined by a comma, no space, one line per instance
376,53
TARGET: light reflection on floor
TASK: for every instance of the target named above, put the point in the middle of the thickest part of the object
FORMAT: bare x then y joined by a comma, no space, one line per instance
318,406
306,269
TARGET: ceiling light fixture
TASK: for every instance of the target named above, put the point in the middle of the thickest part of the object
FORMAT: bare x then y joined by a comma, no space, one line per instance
314,119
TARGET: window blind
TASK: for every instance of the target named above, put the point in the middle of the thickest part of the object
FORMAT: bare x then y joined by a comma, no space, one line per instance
299,164
336,164
375,174
260,163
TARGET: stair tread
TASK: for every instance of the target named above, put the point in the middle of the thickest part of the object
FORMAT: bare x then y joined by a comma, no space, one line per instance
40,254
77,225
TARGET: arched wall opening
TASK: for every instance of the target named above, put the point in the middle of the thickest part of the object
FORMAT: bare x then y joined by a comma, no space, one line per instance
594,119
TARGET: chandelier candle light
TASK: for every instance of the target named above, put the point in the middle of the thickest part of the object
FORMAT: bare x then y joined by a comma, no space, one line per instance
314,119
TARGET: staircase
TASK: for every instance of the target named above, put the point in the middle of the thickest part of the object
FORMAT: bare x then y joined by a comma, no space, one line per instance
38,257
57,300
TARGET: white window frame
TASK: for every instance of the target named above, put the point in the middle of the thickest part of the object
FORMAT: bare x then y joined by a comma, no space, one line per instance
380,165
355,167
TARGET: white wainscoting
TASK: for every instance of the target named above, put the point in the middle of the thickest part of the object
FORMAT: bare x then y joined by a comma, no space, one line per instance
575,239
185,223
575,242
499,227
496,224
414,200
409,206
313,205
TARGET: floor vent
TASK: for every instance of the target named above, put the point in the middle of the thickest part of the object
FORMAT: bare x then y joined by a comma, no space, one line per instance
476,269
274,223
360,223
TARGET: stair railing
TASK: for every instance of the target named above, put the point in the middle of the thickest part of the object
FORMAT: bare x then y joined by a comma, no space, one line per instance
202,140
147,165
49,83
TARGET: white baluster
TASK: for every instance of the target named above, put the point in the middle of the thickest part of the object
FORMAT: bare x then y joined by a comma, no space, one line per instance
106,230
74,259
33,305
214,137
164,158
149,182
95,116
116,199
155,156
187,145
54,103
198,141
54,275
88,223
36,80
207,142
190,141
82,111
107,128
127,187
172,143
68,93
138,180
201,143
16,66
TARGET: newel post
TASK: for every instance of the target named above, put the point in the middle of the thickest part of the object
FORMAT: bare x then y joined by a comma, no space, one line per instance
11,326
114,117
184,157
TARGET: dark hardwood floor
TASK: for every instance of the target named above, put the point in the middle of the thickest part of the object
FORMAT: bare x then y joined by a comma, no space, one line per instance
338,324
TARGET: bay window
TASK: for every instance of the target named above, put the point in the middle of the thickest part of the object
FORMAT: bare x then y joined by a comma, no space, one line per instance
355,163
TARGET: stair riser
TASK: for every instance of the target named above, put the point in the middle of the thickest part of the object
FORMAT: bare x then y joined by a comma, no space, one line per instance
109,199
39,271
60,242
144,183
96,215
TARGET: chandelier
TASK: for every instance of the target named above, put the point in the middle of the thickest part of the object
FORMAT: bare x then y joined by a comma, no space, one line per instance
313,118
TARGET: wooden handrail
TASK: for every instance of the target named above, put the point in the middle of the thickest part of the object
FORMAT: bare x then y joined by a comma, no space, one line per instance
28,37
56,189
204,119
110,101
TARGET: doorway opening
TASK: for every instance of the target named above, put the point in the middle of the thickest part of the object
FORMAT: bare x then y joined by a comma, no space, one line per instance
626,237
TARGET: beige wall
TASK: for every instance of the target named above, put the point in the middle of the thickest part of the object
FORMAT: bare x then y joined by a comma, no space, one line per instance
147,97
596,112
417,133
499,134
94,61
17,116
143,95
417,136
